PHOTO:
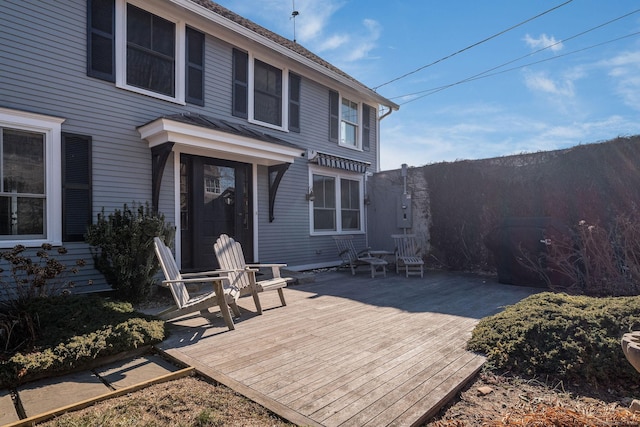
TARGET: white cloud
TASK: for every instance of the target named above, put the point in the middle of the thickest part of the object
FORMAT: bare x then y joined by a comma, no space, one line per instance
345,48
543,42
479,133
540,82
624,69
314,18
334,42
316,28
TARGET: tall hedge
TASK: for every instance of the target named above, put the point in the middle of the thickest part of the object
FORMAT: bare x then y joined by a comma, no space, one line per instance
595,183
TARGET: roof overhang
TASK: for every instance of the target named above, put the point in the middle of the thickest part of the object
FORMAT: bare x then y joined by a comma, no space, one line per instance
217,143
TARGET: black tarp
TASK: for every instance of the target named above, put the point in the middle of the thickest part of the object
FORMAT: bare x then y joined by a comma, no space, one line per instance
517,243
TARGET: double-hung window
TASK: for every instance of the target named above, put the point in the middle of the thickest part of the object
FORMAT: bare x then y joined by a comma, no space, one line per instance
350,122
30,178
265,94
337,204
145,50
151,52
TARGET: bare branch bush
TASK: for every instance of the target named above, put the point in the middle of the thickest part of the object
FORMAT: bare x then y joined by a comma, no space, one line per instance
594,261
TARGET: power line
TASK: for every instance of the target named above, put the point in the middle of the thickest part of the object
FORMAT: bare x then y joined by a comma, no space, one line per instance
477,76
472,46
483,76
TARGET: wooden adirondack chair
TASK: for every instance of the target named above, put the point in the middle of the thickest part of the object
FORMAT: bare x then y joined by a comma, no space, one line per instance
243,276
353,259
408,254
220,295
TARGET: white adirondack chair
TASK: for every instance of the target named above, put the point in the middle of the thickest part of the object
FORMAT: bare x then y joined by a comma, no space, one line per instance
243,276
222,294
408,254
353,259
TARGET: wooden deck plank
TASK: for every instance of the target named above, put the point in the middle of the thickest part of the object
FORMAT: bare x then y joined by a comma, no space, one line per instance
349,350
382,359
355,389
381,393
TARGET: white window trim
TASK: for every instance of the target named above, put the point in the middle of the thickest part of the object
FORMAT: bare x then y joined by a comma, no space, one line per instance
357,147
338,175
121,51
51,127
285,95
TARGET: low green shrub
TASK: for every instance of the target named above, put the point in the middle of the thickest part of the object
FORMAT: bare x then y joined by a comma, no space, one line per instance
73,330
572,338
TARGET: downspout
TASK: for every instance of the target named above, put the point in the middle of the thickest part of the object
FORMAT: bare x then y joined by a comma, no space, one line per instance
366,178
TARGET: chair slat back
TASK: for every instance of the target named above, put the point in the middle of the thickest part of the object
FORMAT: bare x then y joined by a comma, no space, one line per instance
346,249
230,257
406,245
171,272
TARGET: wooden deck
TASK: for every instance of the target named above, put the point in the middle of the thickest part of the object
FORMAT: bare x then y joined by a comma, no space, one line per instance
349,350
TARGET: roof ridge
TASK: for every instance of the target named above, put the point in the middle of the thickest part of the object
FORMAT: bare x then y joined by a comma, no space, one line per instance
275,37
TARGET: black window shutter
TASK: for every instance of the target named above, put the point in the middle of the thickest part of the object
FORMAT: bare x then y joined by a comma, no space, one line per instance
76,186
294,103
334,113
101,40
240,90
366,127
195,67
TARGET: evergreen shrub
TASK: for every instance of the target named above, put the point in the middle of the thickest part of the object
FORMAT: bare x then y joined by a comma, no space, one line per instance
122,249
567,337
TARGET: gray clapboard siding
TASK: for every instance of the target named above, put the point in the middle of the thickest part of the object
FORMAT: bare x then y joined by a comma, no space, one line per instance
44,53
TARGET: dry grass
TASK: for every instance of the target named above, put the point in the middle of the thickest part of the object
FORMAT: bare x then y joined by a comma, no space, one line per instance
186,402
516,402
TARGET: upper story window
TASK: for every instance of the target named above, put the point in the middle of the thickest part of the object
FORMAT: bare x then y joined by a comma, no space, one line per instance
259,91
151,51
267,93
349,122
143,51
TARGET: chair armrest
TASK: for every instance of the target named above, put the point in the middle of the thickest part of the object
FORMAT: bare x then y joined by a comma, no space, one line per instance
275,268
199,280
265,265
208,273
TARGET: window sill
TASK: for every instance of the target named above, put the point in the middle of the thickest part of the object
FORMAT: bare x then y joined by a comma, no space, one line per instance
335,233
268,125
351,147
151,94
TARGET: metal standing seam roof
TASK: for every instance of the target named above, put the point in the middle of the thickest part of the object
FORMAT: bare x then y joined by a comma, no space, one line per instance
227,127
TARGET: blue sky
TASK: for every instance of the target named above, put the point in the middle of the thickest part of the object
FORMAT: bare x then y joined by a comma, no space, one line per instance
584,88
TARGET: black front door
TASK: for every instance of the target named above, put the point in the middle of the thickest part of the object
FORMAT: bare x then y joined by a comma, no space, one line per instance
214,199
